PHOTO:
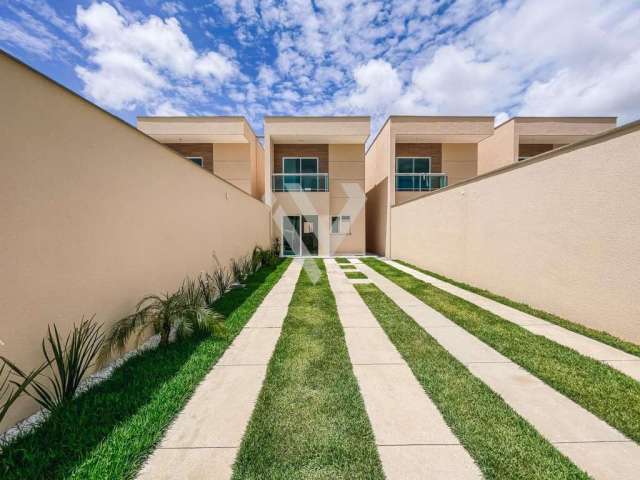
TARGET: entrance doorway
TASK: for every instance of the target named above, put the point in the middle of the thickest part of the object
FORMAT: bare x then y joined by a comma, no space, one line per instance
299,235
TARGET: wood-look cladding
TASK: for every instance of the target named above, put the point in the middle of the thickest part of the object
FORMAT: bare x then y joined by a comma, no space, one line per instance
301,150
204,150
433,150
531,150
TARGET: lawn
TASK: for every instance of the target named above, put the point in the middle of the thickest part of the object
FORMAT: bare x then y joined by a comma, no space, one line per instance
355,275
502,443
309,421
599,335
343,260
604,391
110,430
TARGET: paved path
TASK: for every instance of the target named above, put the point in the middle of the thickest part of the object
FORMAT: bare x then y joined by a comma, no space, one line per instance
622,361
204,438
590,443
412,438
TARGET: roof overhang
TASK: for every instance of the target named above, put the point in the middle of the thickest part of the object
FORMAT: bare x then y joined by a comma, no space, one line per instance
560,130
196,129
428,129
316,130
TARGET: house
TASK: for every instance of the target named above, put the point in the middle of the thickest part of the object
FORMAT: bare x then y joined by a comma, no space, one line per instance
314,173
310,172
413,155
225,146
520,138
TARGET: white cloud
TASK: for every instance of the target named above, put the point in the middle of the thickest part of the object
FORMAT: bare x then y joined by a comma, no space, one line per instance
167,109
143,58
378,85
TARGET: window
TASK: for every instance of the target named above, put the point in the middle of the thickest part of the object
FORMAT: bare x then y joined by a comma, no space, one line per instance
408,170
197,160
304,174
341,225
299,165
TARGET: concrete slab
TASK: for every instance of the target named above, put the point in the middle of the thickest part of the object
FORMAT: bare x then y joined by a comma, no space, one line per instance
580,343
606,460
433,462
427,317
354,316
555,416
253,346
278,299
630,368
189,464
464,346
218,412
370,346
268,317
399,410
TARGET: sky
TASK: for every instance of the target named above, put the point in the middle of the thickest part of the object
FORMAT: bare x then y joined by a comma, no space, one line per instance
332,57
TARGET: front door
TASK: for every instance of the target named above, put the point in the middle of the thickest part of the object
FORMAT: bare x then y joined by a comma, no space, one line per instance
309,235
291,235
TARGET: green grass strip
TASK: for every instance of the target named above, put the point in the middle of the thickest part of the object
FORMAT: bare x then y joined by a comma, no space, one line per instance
502,443
309,421
342,260
355,275
604,391
110,430
349,266
599,335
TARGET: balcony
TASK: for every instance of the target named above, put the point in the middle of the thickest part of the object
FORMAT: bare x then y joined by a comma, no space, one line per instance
420,182
300,182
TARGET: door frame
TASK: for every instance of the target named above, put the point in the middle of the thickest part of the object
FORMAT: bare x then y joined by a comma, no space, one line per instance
301,227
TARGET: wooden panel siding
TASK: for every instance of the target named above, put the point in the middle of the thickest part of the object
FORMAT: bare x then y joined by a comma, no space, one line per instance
433,150
531,150
204,150
285,150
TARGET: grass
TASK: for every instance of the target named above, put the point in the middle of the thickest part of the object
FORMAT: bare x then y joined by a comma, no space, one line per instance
349,266
309,421
599,335
355,275
343,260
110,430
502,443
604,391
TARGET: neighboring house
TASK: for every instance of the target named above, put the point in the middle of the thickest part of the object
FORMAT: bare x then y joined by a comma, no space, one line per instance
225,146
412,155
314,172
520,138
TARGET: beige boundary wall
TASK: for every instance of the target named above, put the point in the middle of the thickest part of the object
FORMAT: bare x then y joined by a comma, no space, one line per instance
560,232
95,215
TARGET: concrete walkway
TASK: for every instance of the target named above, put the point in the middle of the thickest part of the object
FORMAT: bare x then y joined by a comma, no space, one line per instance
622,361
590,443
204,438
412,438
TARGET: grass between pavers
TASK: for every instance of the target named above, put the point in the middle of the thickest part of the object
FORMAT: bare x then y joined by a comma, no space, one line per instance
355,275
342,260
604,391
349,266
309,421
599,335
501,442
110,430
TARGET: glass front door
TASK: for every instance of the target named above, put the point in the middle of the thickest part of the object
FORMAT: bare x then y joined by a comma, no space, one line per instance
291,235
309,235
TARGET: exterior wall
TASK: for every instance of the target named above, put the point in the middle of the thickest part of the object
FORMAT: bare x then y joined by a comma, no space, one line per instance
459,161
96,214
347,197
377,171
542,232
258,172
204,150
569,126
533,149
232,161
302,150
499,150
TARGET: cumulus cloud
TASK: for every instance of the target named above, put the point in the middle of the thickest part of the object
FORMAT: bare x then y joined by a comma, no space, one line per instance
144,58
377,86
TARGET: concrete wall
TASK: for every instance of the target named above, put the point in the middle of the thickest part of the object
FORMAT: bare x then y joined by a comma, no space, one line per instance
459,161
95,215
559,232
499,150
233,162
377,171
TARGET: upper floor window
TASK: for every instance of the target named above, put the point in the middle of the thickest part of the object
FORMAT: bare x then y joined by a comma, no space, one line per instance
197,160
408,170
300,165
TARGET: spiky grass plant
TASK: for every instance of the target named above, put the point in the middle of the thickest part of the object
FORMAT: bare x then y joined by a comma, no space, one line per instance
68,363
237,270
182,312
11,390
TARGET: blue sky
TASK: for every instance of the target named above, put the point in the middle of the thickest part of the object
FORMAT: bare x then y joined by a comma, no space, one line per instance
331,57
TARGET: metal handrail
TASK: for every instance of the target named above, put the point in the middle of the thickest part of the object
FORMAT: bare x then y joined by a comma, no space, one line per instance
423,186
279,184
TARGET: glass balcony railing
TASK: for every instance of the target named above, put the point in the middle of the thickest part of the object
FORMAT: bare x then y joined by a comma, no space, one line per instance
420,182
300,182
